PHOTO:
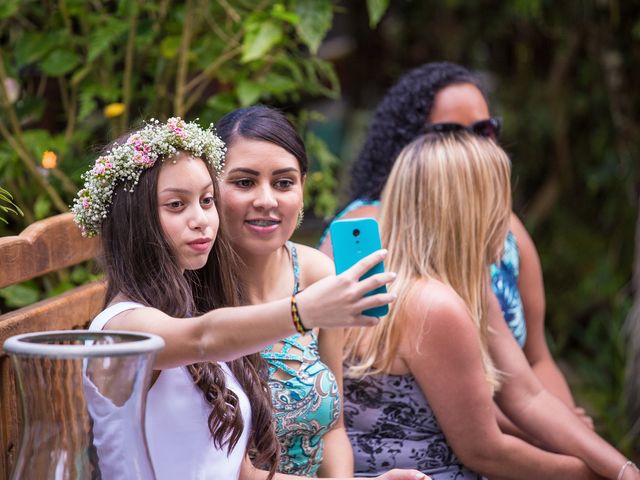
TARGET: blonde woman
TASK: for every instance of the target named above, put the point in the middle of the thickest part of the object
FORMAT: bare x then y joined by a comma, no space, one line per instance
419,387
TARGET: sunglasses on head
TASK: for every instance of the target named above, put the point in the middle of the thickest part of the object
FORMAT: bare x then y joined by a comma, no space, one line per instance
489,128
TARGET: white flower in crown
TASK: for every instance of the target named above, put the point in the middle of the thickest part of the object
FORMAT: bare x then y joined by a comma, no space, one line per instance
123,164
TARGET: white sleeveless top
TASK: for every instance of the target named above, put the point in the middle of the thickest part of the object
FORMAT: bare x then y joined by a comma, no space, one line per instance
176,422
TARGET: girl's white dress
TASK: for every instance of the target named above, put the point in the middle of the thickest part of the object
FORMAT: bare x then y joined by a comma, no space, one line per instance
176,424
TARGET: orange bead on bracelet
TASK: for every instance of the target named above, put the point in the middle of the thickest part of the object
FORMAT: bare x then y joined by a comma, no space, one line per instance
295,316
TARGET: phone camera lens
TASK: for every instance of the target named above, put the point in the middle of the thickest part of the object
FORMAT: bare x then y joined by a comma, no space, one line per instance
356,232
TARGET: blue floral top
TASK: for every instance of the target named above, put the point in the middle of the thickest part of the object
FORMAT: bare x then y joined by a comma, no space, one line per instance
504,278
306,404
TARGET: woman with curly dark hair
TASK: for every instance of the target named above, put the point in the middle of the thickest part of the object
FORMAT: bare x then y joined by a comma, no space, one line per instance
445,97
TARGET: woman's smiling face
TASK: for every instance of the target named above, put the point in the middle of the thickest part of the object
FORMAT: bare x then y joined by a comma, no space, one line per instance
260,195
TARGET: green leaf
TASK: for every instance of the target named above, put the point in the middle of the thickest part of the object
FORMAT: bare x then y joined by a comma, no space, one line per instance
258,41
315,20
80,275
221,103
59,62
63,286
103,37
278,84
280,12
42,208
376,9
31,47
38,141
169,46
8,8
248,92
21,295
87,105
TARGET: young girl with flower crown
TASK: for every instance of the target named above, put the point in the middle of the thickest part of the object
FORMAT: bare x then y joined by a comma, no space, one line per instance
170,272
261,201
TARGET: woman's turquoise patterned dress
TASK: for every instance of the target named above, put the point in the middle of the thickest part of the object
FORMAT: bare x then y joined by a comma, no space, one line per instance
307,403
504,278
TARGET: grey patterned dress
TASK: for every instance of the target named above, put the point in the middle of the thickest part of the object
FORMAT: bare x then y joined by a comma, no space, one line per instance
391,425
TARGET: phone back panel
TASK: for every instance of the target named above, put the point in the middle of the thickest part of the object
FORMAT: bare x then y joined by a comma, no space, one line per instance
352,240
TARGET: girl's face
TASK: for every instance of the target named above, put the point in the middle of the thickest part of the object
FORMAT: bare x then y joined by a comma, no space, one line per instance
187,209
459,103
260,196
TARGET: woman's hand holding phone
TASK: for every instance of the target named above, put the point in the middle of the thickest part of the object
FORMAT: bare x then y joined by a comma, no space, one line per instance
338,301
353,239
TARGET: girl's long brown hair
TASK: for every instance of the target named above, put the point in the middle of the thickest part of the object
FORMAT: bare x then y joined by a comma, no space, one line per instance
140,264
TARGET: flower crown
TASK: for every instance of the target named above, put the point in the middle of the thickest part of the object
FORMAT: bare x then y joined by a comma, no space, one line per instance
123,164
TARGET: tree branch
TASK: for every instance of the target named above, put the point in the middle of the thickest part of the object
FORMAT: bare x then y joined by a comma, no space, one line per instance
183,61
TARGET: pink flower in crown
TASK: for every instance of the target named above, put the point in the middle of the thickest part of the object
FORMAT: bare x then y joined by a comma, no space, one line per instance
176,125
133,139
85,203
102,165
142,158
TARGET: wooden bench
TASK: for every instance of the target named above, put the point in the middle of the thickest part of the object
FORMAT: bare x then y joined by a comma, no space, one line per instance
45,246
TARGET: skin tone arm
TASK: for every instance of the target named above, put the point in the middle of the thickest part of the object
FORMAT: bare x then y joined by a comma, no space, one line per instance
249,472
444,357
540,413
228,333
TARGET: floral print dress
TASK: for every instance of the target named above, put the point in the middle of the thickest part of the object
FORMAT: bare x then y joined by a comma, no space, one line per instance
306,404
391,425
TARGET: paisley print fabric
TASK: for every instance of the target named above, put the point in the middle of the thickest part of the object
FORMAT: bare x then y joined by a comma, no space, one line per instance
504,277
391,425
307,403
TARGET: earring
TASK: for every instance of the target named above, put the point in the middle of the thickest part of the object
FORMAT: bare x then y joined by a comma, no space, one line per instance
300,218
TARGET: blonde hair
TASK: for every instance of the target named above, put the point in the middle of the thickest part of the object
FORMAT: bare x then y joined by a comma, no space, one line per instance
445,214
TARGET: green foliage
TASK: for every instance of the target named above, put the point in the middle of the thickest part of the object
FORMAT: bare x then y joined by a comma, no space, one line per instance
17,296
75,75
6,199
315,21
376,9
72,60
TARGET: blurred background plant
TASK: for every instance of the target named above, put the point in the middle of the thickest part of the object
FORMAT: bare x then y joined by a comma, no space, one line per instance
76,74
7,205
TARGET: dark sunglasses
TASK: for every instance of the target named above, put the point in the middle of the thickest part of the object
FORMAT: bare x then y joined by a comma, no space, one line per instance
489,128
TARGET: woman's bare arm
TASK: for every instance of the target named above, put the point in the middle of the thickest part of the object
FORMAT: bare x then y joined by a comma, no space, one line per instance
541,414
446,362
228,333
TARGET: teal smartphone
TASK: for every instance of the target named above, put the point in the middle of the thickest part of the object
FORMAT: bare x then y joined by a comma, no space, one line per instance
352,240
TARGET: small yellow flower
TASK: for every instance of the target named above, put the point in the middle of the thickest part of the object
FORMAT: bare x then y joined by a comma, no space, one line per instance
114,110
49,159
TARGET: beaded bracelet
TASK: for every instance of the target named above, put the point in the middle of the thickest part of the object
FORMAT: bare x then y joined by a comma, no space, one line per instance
624,467
295,316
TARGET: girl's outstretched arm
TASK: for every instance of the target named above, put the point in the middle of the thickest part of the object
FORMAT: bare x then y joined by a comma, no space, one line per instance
228,333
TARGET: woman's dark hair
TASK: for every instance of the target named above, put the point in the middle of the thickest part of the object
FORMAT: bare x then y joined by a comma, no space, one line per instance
398,120
140,264
263,123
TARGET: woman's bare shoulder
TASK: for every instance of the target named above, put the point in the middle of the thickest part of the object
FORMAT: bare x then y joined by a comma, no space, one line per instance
433,303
